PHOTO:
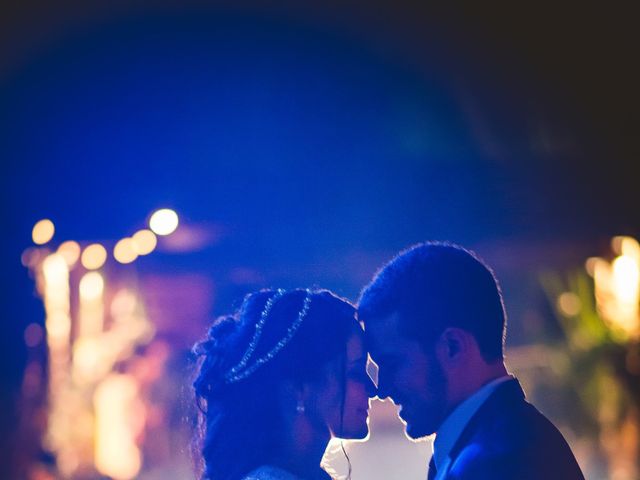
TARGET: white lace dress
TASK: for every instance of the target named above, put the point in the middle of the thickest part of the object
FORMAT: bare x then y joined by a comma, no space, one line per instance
269,472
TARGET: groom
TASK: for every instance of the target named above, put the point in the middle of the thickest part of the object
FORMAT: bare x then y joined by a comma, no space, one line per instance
435,324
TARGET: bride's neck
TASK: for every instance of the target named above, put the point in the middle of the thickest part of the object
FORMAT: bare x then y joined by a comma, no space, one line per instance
302,450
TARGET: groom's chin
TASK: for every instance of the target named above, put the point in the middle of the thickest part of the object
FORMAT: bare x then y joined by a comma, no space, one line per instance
362,436
357,435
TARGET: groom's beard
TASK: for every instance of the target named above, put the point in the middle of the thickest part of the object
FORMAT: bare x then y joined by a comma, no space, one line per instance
423,414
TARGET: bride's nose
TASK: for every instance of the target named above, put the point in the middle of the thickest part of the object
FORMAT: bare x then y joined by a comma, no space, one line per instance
372,390
382,386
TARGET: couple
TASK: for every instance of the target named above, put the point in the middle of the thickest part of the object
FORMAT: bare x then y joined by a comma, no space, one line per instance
287,372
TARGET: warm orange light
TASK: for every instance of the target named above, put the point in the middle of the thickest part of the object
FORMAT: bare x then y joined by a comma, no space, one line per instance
164,221
630,247
118,415
55,270
626,278
124,251
569,304
70,251
89,360
617,287
591,264
42,231
91,286
144,242
94,256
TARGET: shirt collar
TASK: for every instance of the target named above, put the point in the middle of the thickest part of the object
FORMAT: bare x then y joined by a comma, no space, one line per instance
455,423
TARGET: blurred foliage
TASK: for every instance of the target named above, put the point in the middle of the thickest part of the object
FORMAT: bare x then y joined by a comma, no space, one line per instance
600,367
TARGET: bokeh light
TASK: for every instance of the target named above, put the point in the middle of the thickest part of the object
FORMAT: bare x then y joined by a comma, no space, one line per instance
88,361
42,231
164,221
55,269
591,264
33,335
626,278
94,256
144,242
630,247
31,256
617,287
91,286
569,304
70,251
124,251
117,408
124,303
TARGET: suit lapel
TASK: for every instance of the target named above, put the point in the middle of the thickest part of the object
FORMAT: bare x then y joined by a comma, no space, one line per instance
508,393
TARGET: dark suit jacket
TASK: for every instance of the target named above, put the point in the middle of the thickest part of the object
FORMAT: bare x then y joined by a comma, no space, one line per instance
509,439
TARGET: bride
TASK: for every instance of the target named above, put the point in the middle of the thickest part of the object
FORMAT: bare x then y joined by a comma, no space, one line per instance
276,380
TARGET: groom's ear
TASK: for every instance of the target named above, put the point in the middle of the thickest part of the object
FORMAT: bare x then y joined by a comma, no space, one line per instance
452,347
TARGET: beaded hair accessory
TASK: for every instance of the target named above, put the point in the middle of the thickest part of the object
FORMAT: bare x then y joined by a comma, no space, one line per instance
241,370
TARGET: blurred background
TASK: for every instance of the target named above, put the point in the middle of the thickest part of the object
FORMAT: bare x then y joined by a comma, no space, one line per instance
160,159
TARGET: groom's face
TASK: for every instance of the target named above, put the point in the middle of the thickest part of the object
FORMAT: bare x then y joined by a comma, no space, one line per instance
409,375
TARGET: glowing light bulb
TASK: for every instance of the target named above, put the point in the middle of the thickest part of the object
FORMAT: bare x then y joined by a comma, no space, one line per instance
144,242
124,251
164,221
43,231
93,256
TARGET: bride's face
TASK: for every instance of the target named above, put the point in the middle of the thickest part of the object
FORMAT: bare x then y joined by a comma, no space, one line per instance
343,396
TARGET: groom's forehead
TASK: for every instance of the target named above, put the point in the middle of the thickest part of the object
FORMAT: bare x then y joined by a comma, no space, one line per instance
383,333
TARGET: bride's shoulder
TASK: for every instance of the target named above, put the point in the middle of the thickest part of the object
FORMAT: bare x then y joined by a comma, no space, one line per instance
269,472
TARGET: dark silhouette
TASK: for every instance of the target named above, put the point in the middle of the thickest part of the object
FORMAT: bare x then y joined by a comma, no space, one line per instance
435,324
276,381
